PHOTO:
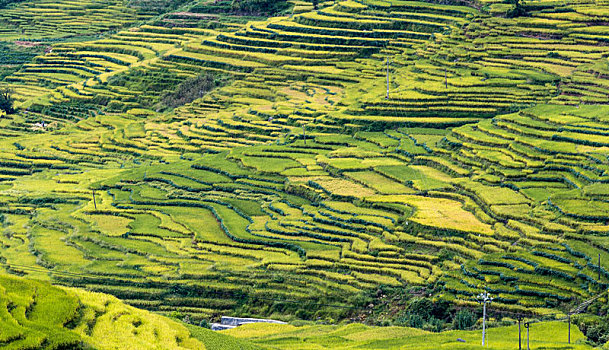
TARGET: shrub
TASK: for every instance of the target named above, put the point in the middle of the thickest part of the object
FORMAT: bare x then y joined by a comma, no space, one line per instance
191,90
434,325
516,11
6,3
595,328
415,321
258,7
464,319
6,100
421,306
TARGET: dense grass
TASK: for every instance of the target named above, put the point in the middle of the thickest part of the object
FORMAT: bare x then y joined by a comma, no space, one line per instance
546,335
38,315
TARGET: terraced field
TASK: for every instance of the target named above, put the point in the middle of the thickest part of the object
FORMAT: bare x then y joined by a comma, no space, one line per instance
49,20
305,178
357,336
36,315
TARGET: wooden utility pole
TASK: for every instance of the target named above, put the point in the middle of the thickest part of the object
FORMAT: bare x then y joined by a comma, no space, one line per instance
599,268
387,95
94,203
304,135
519,333
569,320
526,325
445,79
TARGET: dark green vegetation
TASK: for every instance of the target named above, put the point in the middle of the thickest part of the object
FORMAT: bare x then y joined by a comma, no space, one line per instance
258,7
6,100
13,57
190,90
5,3
595,328
209,161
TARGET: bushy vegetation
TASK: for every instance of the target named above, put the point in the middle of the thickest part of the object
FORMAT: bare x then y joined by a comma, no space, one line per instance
259,7
595,328
6,3
7,101
191,89
464,319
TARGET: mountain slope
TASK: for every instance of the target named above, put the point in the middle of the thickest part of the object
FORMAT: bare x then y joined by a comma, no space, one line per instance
36,315
298,187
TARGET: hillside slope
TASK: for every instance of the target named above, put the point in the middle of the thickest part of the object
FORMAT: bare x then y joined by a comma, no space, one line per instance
36,315
356,336
299,187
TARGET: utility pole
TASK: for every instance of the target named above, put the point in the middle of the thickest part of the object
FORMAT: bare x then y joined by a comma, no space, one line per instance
569,318
94,204
387,96
445,79
526,325
519,333
599,268
304,134
484,298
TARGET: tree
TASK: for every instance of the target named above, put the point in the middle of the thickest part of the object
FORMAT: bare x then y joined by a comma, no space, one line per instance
6,100
259,7
517,11
594,327
5,3
464,319
190,90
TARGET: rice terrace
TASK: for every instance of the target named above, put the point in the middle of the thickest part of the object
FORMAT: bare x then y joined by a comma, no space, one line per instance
304,174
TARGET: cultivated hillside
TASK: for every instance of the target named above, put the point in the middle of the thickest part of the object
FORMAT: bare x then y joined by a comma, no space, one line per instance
211,158
357,336
36,315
